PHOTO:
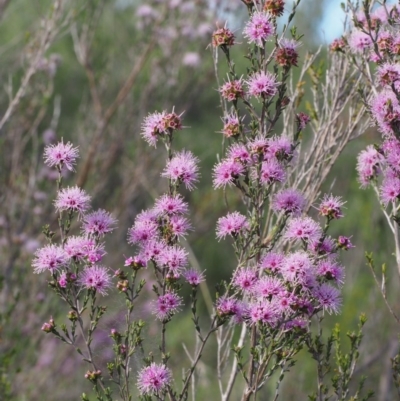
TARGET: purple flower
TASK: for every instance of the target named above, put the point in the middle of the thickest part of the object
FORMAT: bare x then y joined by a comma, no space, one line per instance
79,248
238,152
154,379
325,247
61,155
289,201
72,199
259,28
98,223
50,257
328,297
297,268
159,124
385,108
344,243
331,270
263,312
391,147
303,228
152,249
359,41
193,277
245,279
271,171
330,207
152,127
268,287
174,258
262,84
388,75
225,172
170,205
167,305
390,189
226,306
280,147
232,224
183,168
96,278
142,231
179,225
272,261
368,165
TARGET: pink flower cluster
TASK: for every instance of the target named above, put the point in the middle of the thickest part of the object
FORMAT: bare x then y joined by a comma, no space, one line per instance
286,290
260,160
75,263
379,39
157,125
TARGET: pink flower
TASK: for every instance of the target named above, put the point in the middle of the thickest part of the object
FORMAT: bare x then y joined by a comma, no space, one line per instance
231,126
325,247
390,189
174,258
50,257
154,379
96,278
179,225
385,108
272,261
152,249
61,155
263,312
223,37
280,147
159,124
289,201
303,228
142,231
328,297
152,127
389,74
72,199
259,28
368,165
331,270
297,268
193,277
262,84
330,206
245,279
344,243
271,171
238,152
79,248
359,41
98,223
183,168
232,90
268,287
171,205
226,172
232,224
167,305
